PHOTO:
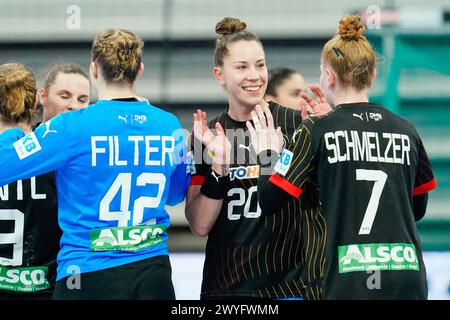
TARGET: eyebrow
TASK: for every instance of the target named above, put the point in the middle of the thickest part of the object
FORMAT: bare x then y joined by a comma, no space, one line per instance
64,92
247,61
69,93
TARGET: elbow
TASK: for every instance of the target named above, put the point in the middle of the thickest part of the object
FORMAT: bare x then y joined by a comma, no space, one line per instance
199,229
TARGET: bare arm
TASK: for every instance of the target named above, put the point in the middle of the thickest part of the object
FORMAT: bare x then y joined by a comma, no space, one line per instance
203,208
201,211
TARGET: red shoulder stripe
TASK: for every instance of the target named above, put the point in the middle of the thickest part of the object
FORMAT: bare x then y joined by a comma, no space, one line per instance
197,180
424,188
285,185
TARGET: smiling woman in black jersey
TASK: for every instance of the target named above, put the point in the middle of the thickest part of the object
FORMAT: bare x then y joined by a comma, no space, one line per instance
248,255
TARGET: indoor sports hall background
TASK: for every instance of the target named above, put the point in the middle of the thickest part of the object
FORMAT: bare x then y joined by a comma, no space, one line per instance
412,38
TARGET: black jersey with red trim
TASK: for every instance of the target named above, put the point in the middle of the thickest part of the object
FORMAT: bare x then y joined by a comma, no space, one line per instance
368,164
251,255
29,236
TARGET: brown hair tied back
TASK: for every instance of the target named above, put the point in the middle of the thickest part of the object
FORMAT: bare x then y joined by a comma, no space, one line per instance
119,54
17,93
351,28
350,54
230,30
229,25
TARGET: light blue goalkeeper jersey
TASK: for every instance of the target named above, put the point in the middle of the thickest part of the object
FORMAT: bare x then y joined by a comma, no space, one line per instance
117,163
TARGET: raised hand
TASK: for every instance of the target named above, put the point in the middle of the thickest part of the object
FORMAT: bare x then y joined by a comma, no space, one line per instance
263,134
217,145
318,106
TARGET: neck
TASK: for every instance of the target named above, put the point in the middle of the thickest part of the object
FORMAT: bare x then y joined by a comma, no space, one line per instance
25,126
350,95
115,92
242,113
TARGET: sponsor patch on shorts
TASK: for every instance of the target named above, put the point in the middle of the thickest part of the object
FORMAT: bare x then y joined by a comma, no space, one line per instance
27,146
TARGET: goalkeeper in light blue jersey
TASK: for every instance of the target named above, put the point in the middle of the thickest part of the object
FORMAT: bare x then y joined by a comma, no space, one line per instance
118,163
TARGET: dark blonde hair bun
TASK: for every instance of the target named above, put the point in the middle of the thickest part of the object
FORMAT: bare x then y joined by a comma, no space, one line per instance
229,25
230,30
351,28
119,53
17,93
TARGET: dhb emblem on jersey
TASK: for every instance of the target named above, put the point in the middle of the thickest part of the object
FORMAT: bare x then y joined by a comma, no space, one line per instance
375,116
133,119
27,146
139,118
284,162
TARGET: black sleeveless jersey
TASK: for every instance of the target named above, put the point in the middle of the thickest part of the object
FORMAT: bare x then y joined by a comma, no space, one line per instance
29,236
368,164
250,255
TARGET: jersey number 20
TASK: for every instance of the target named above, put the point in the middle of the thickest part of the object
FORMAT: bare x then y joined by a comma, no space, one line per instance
242,201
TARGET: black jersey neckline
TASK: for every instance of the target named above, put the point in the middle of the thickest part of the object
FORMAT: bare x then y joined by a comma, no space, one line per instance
357,105
129,99
242,124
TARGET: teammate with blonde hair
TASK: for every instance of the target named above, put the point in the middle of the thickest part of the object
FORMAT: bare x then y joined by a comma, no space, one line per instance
28,249
373,176
118,163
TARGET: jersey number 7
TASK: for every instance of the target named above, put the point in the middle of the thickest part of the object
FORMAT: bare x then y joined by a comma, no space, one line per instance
379,177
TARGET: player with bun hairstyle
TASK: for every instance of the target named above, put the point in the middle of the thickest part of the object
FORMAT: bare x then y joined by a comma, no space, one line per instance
373,176
118,163
28,250
248,255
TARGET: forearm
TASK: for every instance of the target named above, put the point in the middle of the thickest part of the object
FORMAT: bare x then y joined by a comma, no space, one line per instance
205,202
201,212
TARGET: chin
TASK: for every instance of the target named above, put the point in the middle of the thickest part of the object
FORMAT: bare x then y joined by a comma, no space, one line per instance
253,101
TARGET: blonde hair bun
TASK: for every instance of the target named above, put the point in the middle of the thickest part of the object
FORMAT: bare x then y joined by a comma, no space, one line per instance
351,28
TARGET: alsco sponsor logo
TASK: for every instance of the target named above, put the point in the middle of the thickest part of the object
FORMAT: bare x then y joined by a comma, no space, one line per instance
28,279
126,238
377,256
241,173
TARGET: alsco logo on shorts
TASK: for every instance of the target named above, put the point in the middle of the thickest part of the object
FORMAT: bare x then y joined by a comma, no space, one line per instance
126,238
377,256
27,279
244,172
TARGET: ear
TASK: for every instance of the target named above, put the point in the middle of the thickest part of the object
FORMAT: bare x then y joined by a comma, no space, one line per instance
94,70
42,97
36,100
141,70
218,74
374,75
331,77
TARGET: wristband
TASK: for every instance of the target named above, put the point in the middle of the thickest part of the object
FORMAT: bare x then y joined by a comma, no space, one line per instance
215,186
